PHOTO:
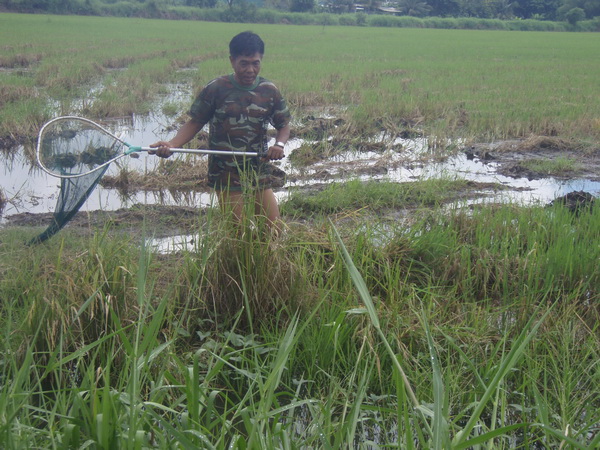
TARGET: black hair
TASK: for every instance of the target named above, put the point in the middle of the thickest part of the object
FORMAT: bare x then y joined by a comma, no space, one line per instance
246,43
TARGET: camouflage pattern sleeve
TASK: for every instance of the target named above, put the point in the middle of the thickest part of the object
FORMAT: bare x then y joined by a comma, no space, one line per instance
281,114
204,105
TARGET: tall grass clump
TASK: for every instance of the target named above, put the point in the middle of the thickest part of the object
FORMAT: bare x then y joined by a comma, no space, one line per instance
76,299
439,426
500,253
118,383
241,269
242,273
460,328
84,363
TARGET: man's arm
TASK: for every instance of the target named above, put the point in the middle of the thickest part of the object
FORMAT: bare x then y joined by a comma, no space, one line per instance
184,135
276,151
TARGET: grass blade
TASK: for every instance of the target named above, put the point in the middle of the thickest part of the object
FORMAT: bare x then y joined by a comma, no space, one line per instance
490,435
441,438
507,364
360,285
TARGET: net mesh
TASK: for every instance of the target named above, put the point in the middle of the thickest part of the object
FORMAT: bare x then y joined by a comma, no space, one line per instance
73,194
73,147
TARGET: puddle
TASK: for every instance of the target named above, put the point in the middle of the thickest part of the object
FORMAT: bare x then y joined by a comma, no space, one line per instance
172,244
30,190
408,165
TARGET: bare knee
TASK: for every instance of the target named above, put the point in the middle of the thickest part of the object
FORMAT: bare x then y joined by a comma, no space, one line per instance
266,205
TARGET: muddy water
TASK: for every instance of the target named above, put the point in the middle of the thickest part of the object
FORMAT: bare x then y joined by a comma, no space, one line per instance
29,190
411,163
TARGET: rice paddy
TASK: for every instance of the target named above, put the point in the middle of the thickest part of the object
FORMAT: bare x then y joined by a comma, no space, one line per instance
387,315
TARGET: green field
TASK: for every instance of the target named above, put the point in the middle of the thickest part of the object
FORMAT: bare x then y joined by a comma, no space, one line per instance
484,84
455,328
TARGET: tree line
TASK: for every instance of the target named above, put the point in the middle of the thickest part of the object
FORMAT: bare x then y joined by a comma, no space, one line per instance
570,11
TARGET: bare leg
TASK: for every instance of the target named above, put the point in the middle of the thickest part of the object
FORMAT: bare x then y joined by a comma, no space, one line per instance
266,205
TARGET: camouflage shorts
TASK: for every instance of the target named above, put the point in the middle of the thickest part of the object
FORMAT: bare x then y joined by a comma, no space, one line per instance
240,173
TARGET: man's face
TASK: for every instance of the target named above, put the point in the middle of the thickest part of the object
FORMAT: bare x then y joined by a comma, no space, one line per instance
246,68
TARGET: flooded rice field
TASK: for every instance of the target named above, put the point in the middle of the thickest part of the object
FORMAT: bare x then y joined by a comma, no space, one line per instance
495,170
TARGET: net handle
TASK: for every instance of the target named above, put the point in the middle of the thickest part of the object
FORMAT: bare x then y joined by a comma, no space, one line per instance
134,149
130,148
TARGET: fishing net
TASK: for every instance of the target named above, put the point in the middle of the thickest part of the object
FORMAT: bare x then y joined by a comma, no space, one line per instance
73,194
76,150
79,151
70,147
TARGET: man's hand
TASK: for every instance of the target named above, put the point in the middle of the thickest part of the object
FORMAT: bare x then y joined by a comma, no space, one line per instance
163,149
274,152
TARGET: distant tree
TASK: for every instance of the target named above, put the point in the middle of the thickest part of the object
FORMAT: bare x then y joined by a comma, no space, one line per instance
89,7
32,5
476,8
574,15
152,8
302,5
503,9
444,8
591,8
415,8
545,9
369,5
282,5
340,6
239,11
201,3
61,6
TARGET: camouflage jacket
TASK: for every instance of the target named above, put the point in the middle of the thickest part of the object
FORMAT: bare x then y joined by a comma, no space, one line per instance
238,116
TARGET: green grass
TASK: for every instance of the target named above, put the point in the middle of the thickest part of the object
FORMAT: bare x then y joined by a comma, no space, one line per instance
467,328
463,327
374,196
460,83
556,167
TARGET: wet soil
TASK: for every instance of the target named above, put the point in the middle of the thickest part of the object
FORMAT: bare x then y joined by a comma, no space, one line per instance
159,220
511,159
514,158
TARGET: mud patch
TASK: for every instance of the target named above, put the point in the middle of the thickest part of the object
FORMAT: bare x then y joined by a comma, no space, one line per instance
170,175
576,202
539,157
157,220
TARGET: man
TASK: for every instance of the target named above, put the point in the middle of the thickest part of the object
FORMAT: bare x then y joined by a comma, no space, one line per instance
238,108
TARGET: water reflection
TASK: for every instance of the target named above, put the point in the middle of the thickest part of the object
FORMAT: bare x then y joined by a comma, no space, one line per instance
172,244
29,190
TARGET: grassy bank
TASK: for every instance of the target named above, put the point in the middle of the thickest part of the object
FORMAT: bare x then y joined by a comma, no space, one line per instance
453,327
464,328
462,83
